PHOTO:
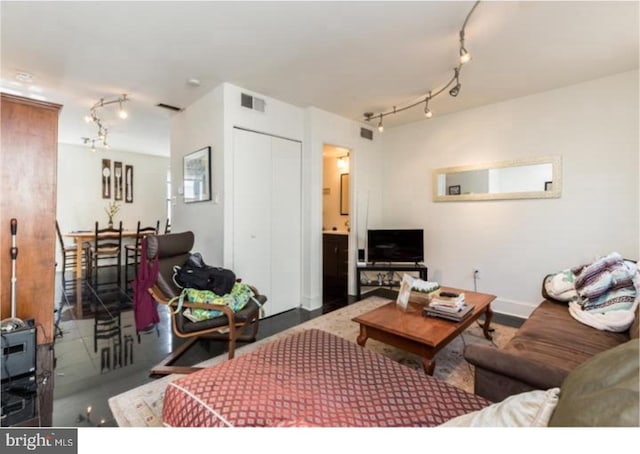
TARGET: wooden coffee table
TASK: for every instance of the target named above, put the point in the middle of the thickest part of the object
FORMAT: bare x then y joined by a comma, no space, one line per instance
413,332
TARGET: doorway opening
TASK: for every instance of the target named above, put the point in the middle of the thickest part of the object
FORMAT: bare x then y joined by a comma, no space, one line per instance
336,224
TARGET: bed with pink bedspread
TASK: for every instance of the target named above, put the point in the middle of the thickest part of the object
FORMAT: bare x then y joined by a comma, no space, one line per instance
313,378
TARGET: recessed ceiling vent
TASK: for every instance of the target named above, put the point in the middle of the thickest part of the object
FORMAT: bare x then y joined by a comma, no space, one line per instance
251,102
366,133
168,107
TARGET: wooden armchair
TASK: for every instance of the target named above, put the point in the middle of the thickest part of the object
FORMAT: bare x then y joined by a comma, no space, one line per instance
174,249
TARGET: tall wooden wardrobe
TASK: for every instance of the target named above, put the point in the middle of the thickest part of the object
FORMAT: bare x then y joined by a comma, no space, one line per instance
28,168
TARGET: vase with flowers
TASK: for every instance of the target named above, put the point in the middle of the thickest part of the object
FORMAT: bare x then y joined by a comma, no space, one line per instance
111,210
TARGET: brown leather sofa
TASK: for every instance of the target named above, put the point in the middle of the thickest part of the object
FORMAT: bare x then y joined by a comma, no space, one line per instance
549,345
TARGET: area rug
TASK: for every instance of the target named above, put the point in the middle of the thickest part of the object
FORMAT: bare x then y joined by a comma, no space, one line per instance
142,406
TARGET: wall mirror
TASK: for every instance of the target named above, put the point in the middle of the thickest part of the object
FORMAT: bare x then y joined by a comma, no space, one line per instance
537,178
344,194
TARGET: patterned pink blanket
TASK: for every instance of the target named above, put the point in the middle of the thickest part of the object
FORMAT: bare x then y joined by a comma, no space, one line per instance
313,378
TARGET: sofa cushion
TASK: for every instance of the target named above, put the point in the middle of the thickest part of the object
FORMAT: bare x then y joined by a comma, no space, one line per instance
530,409
551,336
602,392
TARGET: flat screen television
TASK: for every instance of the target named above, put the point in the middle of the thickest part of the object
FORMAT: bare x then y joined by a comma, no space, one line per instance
395,245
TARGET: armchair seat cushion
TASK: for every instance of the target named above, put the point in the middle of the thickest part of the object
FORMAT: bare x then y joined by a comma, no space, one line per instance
249,312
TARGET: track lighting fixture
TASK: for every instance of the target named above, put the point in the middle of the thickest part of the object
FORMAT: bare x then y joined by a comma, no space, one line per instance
464,57
94,118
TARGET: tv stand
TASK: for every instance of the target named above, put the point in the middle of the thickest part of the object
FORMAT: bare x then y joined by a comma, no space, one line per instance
387,274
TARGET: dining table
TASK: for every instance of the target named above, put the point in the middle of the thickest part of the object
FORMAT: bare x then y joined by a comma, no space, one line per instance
79,237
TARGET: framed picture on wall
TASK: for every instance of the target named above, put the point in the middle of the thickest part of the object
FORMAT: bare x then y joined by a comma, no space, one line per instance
454,190
197,176
128,184
106,178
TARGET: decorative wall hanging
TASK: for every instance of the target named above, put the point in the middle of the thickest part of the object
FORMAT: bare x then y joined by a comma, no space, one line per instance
106,178
128,184
117,180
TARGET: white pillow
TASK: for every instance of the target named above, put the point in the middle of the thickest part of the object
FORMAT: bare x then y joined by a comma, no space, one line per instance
530,409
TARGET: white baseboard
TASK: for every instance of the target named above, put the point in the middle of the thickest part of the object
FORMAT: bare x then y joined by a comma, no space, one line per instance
513,308
311,303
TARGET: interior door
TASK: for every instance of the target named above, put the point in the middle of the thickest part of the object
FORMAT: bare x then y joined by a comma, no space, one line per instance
285,225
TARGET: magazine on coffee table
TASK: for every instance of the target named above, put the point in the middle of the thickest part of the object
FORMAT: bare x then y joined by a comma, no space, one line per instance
461,314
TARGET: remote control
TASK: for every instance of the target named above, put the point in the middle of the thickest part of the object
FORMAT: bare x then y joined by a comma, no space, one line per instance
449,294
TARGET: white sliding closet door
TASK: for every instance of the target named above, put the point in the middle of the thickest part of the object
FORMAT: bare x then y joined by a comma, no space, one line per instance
285,223
267,217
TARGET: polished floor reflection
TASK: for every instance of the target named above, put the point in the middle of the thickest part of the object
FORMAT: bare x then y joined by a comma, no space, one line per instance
88,372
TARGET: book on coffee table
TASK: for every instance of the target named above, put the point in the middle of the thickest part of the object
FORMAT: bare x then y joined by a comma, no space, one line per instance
457,316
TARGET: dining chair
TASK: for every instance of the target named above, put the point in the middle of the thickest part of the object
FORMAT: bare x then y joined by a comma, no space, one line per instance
105,254
132,251
167,226
69,260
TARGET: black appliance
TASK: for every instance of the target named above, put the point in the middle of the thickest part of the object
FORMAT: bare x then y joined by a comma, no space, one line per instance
18,352
395,246
18,400
19,390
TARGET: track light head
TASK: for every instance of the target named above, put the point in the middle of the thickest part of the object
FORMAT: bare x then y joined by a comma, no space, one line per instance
456,89
380,125
465,56
427,111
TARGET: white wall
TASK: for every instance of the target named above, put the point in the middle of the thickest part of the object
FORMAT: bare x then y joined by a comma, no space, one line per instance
79,199
278,119
593,126
200,125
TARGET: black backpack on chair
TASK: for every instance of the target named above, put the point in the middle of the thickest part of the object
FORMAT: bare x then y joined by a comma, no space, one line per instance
194,273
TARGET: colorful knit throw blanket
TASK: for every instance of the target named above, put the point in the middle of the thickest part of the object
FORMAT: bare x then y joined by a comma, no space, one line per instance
607,284
236,300
603,294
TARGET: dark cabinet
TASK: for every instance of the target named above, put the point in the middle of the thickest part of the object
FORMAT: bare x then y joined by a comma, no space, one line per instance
335,264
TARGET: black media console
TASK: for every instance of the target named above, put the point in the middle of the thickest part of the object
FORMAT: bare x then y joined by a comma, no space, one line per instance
388,275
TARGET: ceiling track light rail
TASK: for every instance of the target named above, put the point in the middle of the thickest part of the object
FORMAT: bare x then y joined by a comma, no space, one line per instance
94,118
464,57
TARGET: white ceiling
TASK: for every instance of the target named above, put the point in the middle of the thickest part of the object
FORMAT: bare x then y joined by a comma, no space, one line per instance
343,57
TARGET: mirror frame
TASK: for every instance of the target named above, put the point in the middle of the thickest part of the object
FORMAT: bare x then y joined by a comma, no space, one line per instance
554,193
344,194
